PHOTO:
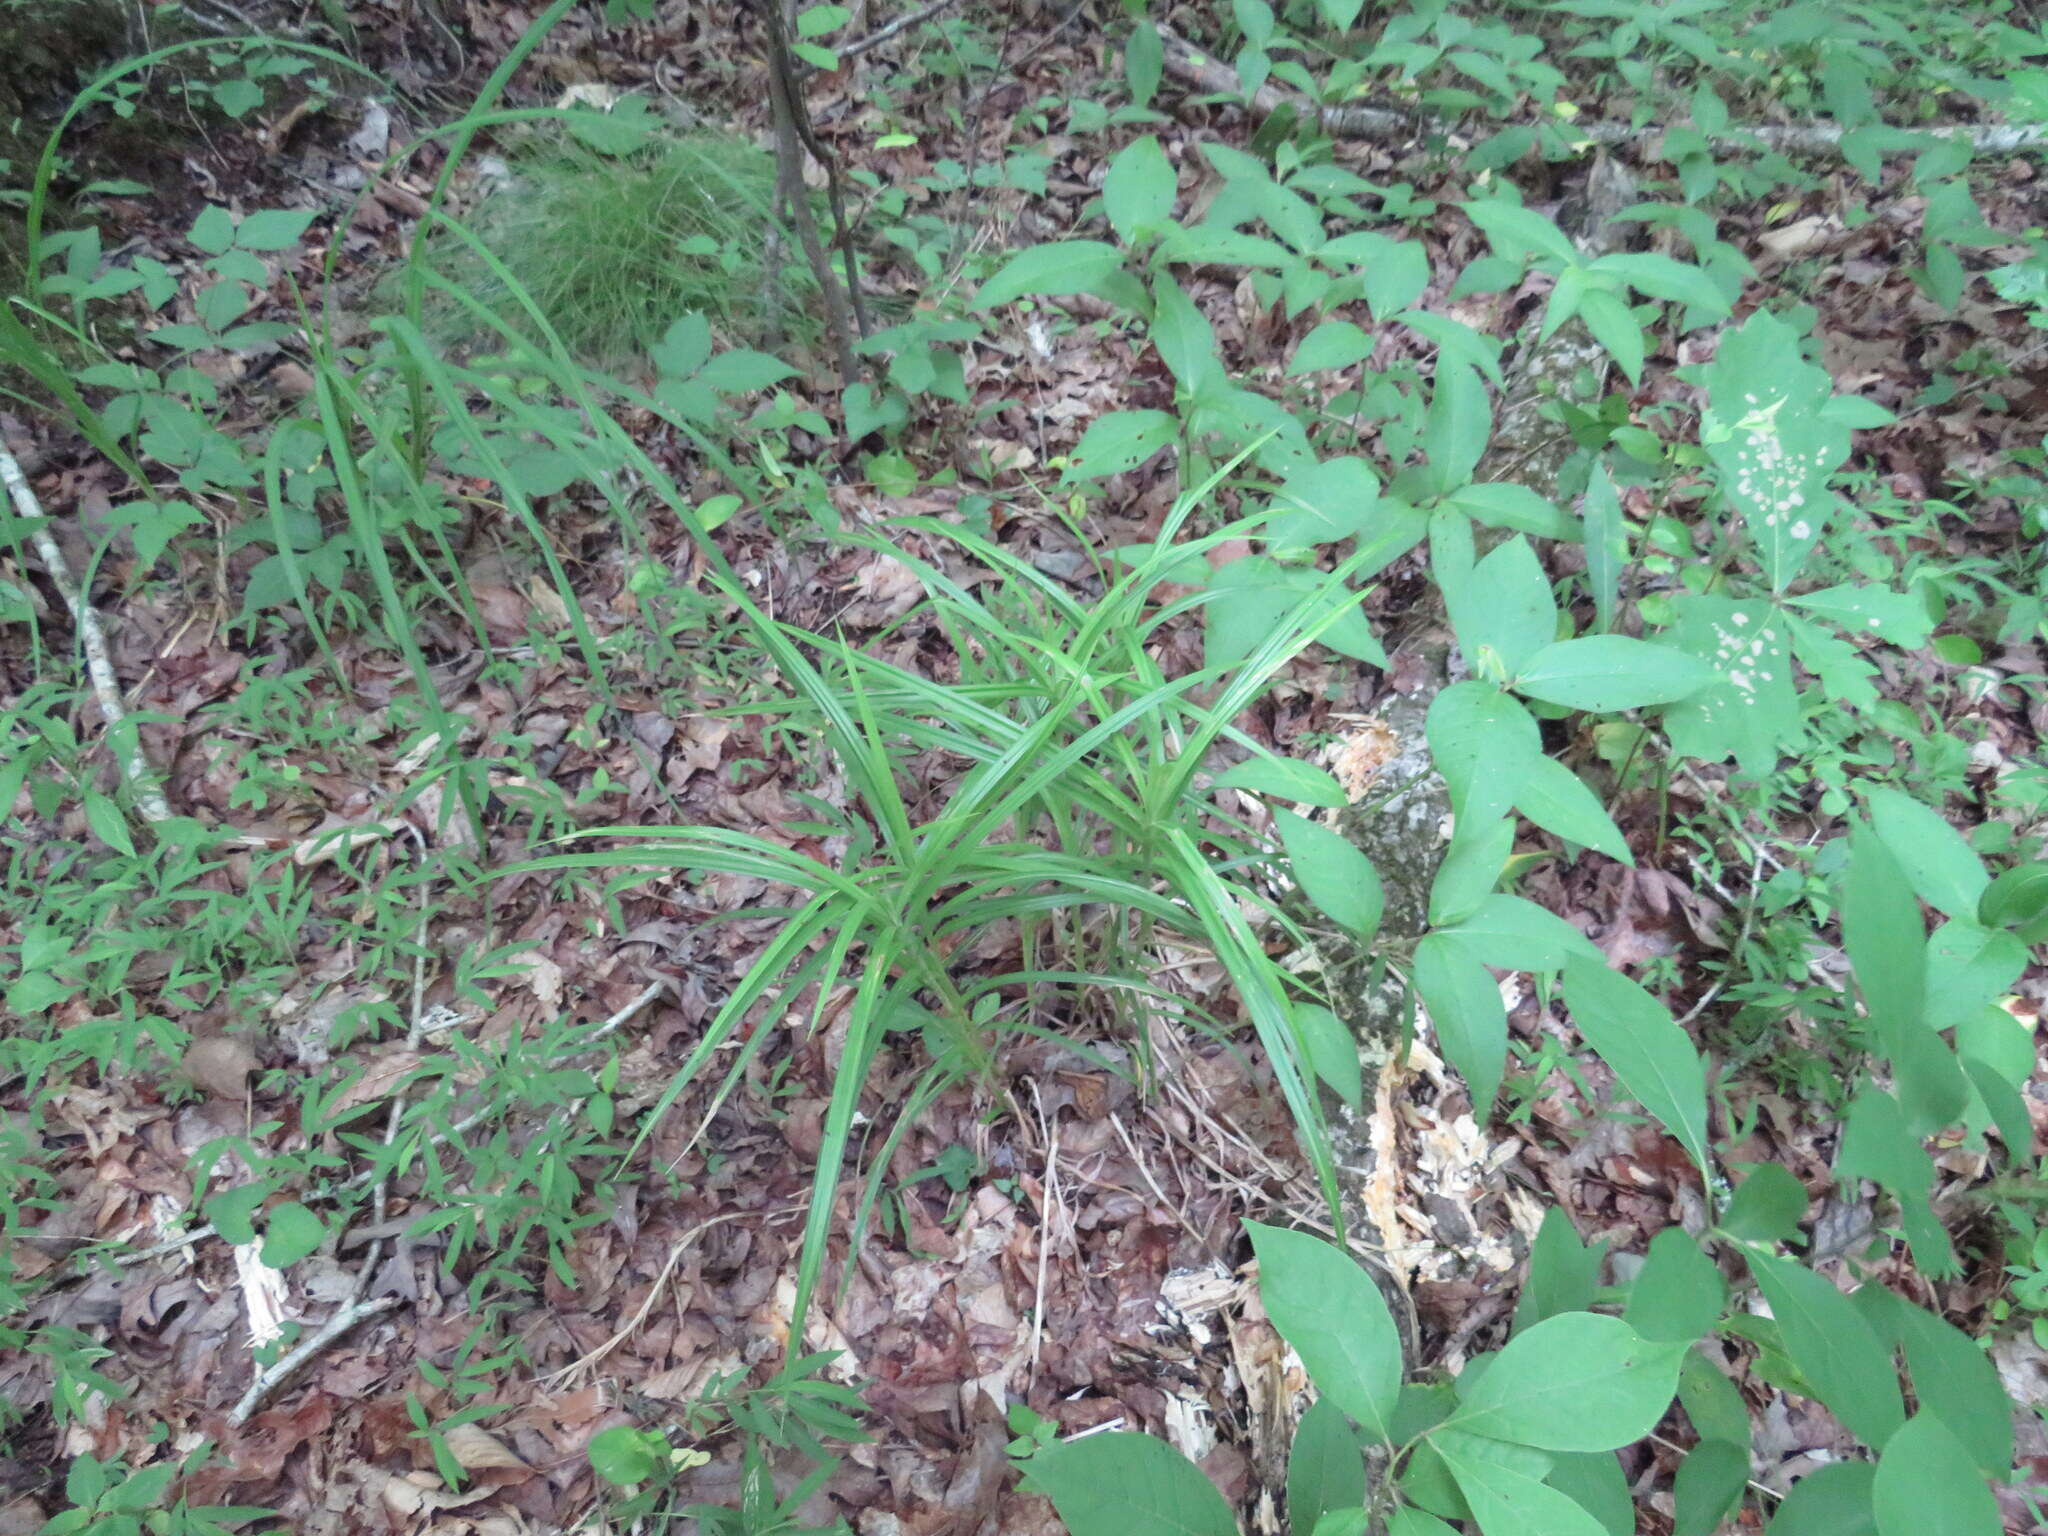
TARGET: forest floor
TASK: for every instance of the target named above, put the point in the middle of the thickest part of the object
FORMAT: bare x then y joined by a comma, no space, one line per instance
1058,1233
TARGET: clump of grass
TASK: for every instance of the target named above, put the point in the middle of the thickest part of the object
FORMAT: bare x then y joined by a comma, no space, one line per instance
612,249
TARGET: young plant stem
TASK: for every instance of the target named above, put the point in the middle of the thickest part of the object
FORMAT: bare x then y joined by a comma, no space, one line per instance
792,138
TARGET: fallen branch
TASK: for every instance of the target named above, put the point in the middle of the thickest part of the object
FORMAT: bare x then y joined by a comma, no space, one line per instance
127,742
1187,62
887,30
282,1370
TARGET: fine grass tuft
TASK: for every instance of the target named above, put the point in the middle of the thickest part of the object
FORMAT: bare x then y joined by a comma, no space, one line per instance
614,248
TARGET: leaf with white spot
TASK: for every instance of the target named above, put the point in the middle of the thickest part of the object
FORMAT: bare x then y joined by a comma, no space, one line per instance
1752,710
1767,434
1898,618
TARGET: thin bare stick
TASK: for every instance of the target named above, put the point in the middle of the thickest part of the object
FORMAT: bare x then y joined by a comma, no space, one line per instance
280,1371
887,30
136,772
789,149
1187,62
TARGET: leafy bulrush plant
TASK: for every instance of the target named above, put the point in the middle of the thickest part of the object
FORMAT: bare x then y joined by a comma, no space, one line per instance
1083,816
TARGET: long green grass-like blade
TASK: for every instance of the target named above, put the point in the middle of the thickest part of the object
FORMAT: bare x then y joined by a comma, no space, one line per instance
863,1036
1260,984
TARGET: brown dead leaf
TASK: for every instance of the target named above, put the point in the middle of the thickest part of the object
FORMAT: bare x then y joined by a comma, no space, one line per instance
219,1064
476,1449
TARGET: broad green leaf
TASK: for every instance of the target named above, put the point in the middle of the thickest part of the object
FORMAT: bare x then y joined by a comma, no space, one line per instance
1504,504
214,230
1253,596
1877,1145
1653,1057
1458,342
1678,1294
1125,1484
1517,935
1505,614
1457,427
817,20
1664,277
1557,800
1606,545
1564,1273
233,1212
1768,1206
1711,1400
107,822
1768,438
1834,1500
1515,231
1333,1314
1406,1520
1926,1485
1333,873
1842,1359
238,96
2018,899
1885,937
1286,778
1580,1381
1465,1008
1056,268
1968,967
1185,341
1955,1380
1595,1481
1471,868
684,347
291,1233
1392,273
1325,502
1118,442
272,229
1325,1471
1138,190
1333,344
1899,618
1332,1050
742,370
624,1455
1750,711
1483,743
1709,1484
1604,673
1506,1502
1144,62
1943,871
1614,326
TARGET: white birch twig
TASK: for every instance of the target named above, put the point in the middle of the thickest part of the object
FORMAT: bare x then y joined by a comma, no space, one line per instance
280,1371
127,743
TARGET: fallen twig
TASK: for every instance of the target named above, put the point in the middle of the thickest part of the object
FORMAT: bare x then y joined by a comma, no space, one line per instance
279,1371
127,742
1191,64
887,30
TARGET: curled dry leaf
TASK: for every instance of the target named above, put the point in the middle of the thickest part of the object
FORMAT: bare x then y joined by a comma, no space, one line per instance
476,1449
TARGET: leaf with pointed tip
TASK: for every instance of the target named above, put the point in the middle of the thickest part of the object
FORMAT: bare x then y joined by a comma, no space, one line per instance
1334,1316
1465,1008
1604,673
1655,1059
1842,1359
